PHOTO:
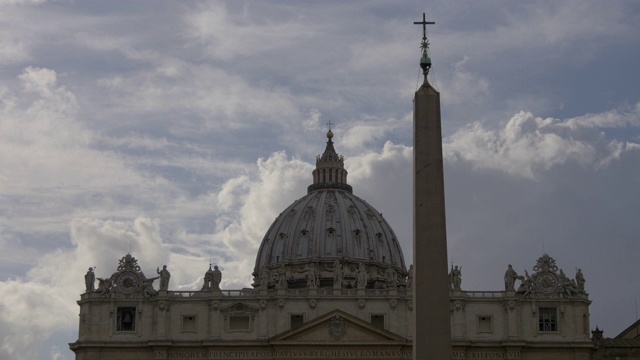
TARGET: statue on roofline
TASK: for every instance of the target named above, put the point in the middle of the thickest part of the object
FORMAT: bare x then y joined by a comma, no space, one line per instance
216,278
510,279
455,278
165,275
89,281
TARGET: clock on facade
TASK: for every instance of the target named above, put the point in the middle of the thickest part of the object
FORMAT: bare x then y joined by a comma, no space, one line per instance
127,281
546,282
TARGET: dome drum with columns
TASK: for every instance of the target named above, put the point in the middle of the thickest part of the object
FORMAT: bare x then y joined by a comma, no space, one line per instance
329,233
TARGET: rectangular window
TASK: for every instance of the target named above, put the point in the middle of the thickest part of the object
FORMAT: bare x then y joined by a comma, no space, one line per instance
485,324
297,321
377,320
239,323
126,319
547,319
189,323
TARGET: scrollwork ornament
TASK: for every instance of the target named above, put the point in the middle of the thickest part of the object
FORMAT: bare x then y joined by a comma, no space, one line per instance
164,305
313,303
393,303
546,263
128,262
361,303
509,305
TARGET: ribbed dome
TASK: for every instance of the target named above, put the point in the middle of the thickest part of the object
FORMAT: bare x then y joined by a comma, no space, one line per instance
329,224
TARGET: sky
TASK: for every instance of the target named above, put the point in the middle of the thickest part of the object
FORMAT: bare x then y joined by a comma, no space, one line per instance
178,131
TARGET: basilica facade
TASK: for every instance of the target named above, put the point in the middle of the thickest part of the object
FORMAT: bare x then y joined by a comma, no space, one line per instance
329,282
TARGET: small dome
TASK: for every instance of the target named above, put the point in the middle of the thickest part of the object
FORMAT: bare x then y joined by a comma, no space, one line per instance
329,224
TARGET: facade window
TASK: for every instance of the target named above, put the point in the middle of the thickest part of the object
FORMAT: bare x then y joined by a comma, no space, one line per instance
239,323
485,324
547,319
377,320
189,323
126,319
296,320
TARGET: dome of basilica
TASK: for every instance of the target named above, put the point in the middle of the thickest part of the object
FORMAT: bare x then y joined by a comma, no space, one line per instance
326,229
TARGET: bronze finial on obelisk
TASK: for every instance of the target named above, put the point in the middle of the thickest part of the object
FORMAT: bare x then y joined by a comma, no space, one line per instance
431,319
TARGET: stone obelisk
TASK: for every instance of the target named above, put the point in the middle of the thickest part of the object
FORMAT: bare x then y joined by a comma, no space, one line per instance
432,327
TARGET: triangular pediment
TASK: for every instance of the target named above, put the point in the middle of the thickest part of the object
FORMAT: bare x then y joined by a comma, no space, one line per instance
338,327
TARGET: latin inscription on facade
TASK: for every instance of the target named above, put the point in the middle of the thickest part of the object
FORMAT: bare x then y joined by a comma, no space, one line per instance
329,354
487,355
286,354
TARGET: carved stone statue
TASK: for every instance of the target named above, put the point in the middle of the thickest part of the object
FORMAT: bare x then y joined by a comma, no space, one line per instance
391,278
562,277
264,278
362,276
208,278
580,280
510,279
104,286
216,278
410,277
282,279
527,284
338,274
165,275
312,277
147,287
570,288
89,281
455,277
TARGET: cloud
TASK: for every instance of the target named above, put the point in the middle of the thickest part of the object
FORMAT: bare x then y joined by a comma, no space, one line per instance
279,181
464,87
628,116
568,27
48,155
227,37
14,50
21,2
527,144
199,92
34,306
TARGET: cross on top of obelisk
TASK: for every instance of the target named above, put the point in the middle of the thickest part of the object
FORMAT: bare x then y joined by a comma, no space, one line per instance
424,23
425,61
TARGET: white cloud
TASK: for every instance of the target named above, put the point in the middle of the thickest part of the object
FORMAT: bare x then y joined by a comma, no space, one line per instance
464,87
20,2
628,116
570,28
43,301
14,49
227,37
47,155
528,143
212,94
279,182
